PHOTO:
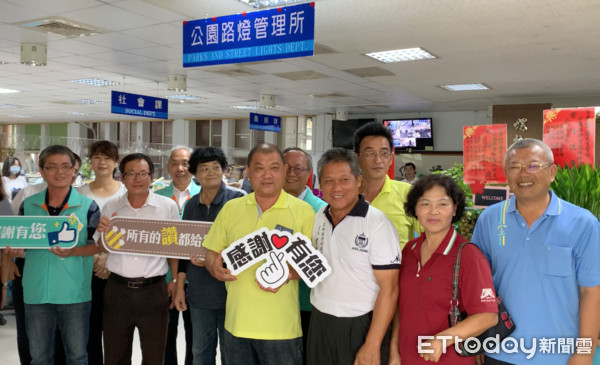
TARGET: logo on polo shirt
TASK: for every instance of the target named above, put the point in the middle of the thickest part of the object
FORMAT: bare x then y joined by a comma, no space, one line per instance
360,242
487,295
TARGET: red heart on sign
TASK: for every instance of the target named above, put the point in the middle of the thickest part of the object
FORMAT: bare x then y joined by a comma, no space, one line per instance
279,242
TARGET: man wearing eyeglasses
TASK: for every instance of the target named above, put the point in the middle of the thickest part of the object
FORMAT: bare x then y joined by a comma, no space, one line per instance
299,169
544,253
57,282
136,291
373,145
182,188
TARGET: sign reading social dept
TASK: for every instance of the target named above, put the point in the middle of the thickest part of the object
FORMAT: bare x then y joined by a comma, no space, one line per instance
139,105
284,32
265,122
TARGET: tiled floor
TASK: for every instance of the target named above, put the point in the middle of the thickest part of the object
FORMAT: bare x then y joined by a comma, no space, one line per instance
10,356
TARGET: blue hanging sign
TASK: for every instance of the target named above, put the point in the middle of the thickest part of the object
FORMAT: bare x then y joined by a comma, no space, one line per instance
262,35
265,122
139,105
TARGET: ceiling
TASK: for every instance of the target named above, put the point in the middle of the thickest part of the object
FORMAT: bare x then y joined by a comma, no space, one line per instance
526,51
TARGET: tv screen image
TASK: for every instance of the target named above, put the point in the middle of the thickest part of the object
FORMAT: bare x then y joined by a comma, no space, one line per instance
410,133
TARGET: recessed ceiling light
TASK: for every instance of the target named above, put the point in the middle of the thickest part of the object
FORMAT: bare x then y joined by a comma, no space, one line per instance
246,107
88,101
402,55
80,113
18,116
183,97
465,87
8,91
96,82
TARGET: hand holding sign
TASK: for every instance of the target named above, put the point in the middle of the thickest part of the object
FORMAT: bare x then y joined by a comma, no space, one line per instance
274,272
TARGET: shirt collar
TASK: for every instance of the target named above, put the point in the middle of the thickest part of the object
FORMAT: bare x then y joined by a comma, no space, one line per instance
554,207
188,189
218,198
282,201
303,193
360,209
150,200
443,249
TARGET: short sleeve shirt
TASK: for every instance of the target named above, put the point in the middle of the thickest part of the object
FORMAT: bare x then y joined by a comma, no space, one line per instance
426,293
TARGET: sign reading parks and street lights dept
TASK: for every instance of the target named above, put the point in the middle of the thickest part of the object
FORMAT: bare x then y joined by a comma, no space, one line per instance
169,238
39,232
139,105
279,248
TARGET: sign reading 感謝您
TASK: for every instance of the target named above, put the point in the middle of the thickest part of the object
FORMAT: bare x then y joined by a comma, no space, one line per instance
283,32
139,105
265,122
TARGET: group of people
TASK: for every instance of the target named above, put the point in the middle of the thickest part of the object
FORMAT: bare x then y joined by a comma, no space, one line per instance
391,247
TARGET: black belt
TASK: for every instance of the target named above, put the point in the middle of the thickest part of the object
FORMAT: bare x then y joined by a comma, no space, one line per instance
136,283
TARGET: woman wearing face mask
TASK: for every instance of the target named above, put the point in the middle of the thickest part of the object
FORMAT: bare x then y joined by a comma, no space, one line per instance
12,179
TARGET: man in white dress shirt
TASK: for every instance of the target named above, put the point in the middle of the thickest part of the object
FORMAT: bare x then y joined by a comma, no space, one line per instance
136,292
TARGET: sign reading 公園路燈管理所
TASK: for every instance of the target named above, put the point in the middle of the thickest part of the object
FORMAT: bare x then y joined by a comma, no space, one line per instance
265,122
139,105
283,32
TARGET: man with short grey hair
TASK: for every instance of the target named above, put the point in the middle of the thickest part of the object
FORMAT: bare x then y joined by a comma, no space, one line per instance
544,254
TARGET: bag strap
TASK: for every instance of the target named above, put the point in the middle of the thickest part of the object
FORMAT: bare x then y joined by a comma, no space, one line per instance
454,311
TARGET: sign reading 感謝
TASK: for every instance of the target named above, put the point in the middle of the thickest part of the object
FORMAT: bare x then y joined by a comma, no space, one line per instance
139,105
39,231
262,35
265,122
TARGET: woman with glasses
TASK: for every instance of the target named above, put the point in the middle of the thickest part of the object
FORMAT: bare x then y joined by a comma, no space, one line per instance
426,276
12,180
104,159
206,295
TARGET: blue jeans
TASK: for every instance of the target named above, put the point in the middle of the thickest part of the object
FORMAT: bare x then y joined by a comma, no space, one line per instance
247,351
206,325
73,320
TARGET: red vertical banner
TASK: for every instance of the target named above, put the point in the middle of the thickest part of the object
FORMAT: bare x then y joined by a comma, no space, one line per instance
571,135
484,147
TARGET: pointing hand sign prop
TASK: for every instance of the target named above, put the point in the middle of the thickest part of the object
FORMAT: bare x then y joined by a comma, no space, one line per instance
279,248
39,232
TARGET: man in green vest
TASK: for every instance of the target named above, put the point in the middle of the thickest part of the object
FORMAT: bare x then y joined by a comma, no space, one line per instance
57,282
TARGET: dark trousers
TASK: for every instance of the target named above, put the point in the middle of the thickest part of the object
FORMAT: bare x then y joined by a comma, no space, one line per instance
305,320
171,349
22,339
490,361
125,308
336,340
94,346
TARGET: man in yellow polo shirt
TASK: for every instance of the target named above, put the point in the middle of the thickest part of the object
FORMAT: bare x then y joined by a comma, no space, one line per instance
262,326
373,145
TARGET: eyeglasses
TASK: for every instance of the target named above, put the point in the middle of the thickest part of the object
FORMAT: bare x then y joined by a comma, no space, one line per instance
533,167
371,155
297,169
132,175
54,168
206,169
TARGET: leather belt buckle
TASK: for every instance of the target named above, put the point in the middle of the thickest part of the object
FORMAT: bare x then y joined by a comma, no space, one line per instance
135,284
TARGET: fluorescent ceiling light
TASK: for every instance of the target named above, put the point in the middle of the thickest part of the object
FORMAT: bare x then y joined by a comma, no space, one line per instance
183,97
95,82
465,87
18,116
88,101
246,107
11,106
80,113
401,55
8,91
261,4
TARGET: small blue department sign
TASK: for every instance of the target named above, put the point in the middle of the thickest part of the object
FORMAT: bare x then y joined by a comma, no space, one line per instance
265,122
262,35
139,105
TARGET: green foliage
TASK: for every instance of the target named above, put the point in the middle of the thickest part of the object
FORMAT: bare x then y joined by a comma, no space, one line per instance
85,170
467,222
579,185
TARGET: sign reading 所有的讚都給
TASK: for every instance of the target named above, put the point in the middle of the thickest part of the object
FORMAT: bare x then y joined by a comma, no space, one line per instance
139,105
282,32
39,231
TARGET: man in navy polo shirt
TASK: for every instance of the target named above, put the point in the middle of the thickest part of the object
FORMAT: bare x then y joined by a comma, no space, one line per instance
545,259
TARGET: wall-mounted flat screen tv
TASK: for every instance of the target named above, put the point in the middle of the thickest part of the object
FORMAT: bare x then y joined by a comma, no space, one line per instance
343,131
416,134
